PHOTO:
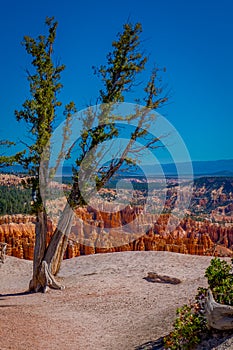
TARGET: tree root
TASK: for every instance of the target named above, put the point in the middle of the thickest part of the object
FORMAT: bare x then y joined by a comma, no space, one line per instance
44,280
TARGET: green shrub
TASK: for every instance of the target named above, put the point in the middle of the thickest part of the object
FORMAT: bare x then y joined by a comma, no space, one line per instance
190,325
220,279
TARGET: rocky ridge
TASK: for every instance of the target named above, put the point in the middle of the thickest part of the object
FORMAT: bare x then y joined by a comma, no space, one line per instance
89,235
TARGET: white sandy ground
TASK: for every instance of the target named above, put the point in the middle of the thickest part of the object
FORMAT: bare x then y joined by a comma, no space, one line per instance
106,304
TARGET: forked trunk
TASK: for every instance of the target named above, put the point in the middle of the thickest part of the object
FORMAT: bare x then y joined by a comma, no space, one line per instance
57,246
47,261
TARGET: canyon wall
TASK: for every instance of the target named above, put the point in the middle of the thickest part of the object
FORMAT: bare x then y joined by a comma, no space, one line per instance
190,237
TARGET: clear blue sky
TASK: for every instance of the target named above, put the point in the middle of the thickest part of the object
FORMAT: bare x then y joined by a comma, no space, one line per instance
193,39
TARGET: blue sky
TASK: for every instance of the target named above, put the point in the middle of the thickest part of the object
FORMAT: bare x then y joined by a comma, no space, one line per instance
192,39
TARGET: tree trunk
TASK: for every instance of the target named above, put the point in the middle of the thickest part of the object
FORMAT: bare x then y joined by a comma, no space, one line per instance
47,262
219,316
39,250
56,249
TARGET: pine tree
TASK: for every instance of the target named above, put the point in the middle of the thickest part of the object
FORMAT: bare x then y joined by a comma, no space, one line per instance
124,63
39,112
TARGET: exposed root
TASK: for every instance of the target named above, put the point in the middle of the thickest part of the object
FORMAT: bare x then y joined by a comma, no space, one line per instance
44,280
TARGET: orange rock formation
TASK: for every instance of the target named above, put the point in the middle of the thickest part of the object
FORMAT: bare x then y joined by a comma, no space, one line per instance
190,237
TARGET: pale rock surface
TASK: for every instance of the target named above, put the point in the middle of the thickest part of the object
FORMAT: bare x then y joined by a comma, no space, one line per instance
107,303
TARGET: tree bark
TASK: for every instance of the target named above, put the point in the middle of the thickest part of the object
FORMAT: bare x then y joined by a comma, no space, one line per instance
56,249
39,250
219,316
47,261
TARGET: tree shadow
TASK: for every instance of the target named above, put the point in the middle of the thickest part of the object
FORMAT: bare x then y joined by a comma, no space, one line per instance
157,344
14,294
12,305
215,339
209,342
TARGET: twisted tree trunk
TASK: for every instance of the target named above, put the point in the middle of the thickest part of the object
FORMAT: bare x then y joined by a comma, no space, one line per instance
57,246
47,260
39,250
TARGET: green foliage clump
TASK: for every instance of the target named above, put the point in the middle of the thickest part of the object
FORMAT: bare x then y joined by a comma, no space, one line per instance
6,161
39,111
190,325
220,279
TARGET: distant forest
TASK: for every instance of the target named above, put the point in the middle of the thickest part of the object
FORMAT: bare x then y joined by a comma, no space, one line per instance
14,200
